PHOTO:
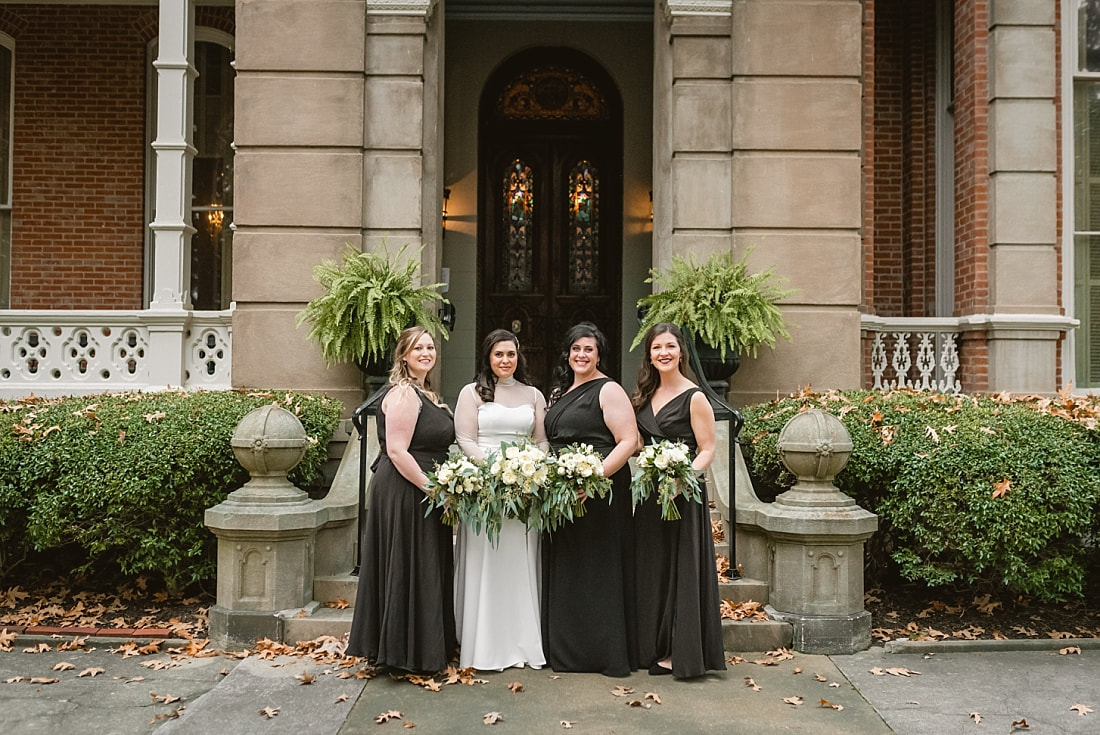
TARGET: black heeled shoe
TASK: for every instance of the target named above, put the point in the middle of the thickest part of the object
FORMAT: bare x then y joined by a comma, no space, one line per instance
658,670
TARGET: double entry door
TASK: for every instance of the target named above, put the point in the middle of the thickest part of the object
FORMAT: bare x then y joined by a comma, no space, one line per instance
551,244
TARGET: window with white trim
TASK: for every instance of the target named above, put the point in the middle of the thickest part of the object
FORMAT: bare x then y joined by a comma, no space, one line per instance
1084,47
211,205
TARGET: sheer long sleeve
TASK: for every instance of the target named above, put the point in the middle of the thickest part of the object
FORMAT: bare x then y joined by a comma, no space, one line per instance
466,422
538,434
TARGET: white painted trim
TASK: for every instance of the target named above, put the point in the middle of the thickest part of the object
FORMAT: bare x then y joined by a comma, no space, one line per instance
970,323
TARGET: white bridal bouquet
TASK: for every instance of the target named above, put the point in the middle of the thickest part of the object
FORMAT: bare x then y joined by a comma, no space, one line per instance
665,467
515,487
576,467
455,486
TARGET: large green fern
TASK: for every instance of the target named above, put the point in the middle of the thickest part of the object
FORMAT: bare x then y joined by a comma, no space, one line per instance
368,299
719,301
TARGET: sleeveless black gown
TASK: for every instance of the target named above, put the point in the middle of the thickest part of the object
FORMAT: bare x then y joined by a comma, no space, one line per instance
404,608
678,605
588,620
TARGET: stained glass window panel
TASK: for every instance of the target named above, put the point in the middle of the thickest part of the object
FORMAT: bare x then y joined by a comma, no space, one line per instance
584,229
519,205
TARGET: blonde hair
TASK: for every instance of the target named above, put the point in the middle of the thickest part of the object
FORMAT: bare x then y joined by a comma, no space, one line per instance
399,373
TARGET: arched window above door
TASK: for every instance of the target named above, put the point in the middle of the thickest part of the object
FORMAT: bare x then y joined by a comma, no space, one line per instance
552,93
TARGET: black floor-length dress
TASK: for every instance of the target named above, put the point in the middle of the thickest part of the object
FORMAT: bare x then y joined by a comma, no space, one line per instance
588,568
404,608
677,592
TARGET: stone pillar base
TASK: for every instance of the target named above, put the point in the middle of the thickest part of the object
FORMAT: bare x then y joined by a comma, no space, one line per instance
242,628
827,634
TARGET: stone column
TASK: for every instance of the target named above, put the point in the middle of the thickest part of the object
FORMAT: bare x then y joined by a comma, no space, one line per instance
815,537
797,182
298,134
1024,325
266,533
402,189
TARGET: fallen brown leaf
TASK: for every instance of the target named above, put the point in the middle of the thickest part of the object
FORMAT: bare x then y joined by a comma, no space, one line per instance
621,691
269,712
831,705
387,716
1069,650
91,671
1081,709
1020,724
515,687
654,696
976,717
305,678
62,666
492,718
796,700
750,682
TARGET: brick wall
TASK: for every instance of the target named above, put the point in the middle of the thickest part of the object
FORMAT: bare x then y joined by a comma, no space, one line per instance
78,202
903,190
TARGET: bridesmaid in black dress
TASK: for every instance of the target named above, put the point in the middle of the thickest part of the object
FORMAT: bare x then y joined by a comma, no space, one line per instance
404,608
588,567
679,621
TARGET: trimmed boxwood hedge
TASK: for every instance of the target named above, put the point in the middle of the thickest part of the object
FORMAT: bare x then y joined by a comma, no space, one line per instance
933,467
120,482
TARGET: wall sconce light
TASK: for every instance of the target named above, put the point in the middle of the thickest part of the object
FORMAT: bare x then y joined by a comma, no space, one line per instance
446,197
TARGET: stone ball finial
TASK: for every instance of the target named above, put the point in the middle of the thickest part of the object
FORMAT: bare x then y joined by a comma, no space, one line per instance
269,441
814,446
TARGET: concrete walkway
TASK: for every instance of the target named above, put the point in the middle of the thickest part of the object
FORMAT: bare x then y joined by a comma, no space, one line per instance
225,694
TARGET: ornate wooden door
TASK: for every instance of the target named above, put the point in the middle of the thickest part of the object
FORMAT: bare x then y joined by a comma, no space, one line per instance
550,215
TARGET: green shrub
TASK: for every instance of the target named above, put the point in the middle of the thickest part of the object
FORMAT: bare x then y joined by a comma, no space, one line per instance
931,466
125,479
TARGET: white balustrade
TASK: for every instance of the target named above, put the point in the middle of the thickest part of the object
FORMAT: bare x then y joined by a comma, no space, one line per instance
932,345
54,353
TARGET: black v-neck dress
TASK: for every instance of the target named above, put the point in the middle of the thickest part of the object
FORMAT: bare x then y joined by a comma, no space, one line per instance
588,620
404,608
677,592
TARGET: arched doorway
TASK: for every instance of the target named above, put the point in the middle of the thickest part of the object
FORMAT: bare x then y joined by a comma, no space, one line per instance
550,203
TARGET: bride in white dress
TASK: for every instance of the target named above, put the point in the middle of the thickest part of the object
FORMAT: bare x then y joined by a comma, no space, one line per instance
497,588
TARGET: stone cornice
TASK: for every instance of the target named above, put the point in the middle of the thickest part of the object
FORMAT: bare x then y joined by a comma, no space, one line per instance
674,8
416,8
972,322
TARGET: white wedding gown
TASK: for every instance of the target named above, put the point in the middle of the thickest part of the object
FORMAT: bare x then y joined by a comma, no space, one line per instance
497,588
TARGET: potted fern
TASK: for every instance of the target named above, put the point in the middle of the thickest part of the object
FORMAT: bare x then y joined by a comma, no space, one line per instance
721,303
368,299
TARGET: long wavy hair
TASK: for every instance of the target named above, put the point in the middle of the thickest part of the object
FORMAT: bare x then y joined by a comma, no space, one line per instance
563,373
485,382
648,376
399,373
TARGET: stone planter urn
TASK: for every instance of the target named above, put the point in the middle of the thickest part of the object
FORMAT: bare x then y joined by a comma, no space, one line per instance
266,532
815,541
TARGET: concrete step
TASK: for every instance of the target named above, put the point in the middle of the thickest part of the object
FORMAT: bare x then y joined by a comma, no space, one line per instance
323,621
743,590
762,635
330,589
737,635
722,548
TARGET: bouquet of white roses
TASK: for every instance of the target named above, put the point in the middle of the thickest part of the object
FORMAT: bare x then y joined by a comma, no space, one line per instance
455,486
576,468
665,467
515,487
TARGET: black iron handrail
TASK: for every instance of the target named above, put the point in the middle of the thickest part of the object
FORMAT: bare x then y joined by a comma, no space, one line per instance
722,412
359,419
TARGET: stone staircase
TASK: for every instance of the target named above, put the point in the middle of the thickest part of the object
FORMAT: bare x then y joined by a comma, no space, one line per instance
738,635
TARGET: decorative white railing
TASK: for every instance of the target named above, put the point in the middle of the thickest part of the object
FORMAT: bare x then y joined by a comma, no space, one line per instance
899,345
51,353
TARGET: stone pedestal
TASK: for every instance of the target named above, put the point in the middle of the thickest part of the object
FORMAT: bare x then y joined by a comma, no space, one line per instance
266,533
815,538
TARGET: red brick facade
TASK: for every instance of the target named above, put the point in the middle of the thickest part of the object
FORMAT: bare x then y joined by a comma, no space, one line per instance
79,152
